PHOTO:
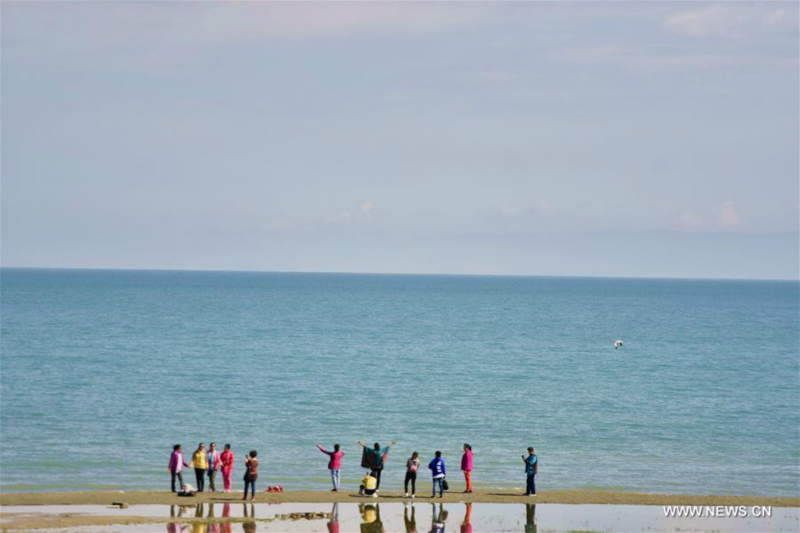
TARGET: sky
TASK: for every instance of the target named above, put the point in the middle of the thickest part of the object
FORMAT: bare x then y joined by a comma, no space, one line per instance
631,139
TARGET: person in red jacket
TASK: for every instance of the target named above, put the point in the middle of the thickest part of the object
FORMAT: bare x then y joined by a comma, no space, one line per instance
226,467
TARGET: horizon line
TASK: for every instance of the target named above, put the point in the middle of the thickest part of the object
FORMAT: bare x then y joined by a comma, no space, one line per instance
417,274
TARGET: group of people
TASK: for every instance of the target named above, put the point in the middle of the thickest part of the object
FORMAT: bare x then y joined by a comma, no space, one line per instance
206,463
374,458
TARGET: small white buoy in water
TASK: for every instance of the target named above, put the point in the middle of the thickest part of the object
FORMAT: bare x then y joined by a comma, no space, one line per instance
617,344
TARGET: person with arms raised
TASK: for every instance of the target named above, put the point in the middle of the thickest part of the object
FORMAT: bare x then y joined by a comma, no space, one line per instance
334,464
375,459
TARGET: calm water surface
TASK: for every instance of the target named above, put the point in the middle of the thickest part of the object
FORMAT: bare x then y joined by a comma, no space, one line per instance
103,371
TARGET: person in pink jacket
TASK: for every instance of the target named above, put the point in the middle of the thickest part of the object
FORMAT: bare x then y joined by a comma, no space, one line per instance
226,466
334,465
466,466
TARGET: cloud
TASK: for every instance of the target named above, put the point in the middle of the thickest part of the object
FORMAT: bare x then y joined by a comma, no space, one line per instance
724,217
238,21
727,216
147,35
344,217
536,207
688,222
279,225
496,77
723,21
648,57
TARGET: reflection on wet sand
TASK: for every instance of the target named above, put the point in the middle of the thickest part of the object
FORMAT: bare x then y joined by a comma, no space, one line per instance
249,526
179,512
333,522
226,513
466,525
411,523
213,527
371,521
176,512
530,518
199,527
370,518
438,518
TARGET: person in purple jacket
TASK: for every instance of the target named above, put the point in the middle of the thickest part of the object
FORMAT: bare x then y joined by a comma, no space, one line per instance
439,472
176,465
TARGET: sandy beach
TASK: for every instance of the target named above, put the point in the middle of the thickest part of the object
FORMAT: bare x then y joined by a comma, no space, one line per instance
479,496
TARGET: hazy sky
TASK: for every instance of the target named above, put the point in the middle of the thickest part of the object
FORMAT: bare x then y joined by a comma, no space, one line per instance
609,139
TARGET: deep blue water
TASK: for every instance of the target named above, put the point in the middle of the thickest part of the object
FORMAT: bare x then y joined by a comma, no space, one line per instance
102,371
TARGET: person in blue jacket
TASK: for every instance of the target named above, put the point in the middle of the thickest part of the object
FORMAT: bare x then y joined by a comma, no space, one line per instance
439,472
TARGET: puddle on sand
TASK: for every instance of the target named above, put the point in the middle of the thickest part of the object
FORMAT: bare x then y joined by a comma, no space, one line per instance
371,517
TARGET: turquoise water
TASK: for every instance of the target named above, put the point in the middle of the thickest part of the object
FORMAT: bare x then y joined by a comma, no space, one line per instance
102,371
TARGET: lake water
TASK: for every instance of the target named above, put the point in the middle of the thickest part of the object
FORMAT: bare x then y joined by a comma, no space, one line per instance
103,371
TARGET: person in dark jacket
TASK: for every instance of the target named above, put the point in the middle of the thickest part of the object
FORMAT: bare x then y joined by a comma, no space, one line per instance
375,459
531,467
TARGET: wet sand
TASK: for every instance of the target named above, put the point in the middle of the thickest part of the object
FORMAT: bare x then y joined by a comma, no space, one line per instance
480,496
394,516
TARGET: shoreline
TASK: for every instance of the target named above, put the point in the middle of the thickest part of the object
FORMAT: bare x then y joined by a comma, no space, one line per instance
567,496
